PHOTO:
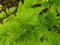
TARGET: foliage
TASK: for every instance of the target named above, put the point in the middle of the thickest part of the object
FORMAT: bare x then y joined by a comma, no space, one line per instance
31,25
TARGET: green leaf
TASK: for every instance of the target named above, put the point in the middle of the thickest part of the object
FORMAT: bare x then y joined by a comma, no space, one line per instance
2,14
11,10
